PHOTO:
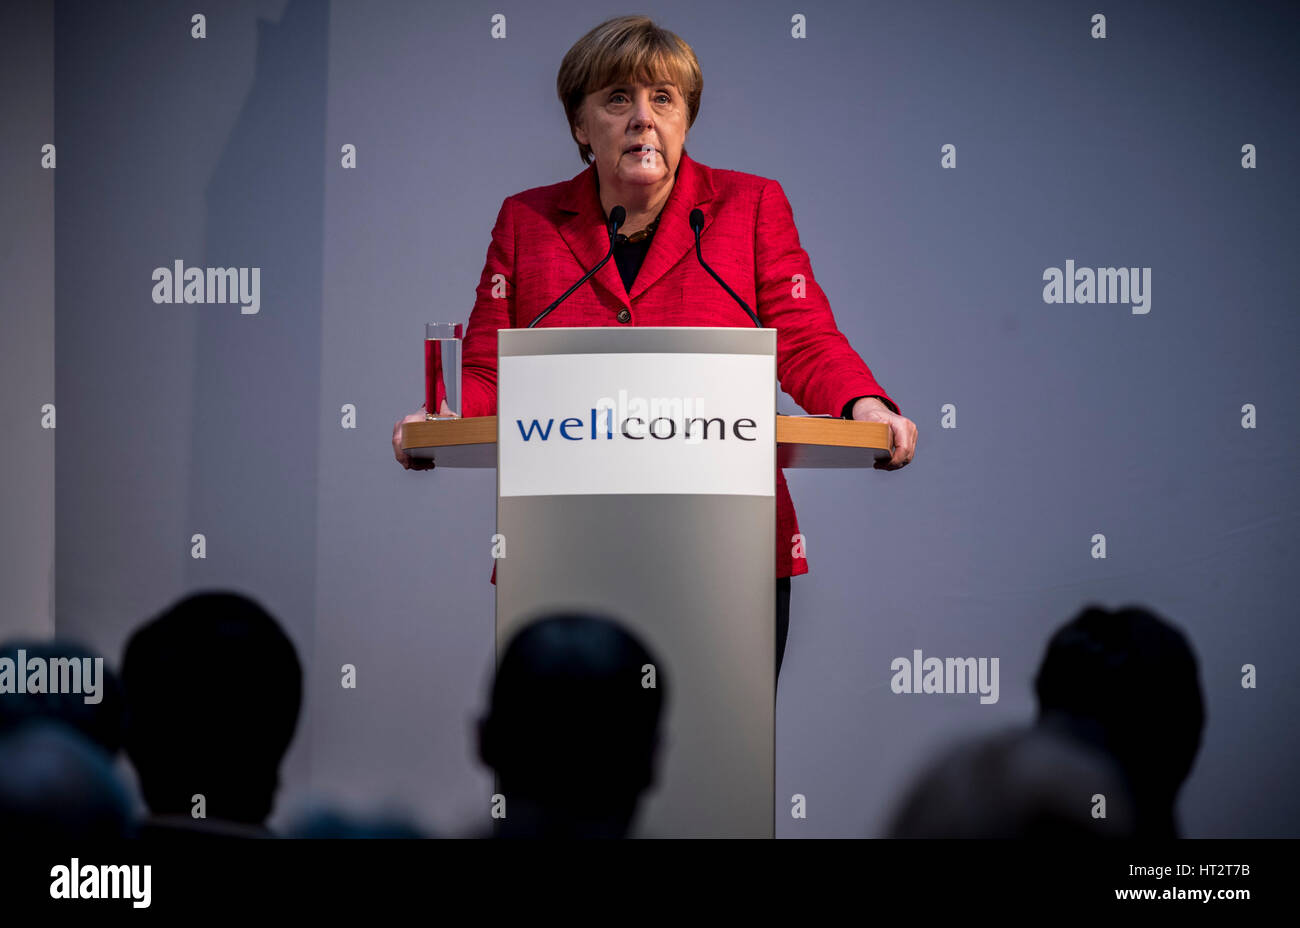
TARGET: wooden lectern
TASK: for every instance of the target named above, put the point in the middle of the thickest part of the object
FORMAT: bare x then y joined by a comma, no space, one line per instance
636,477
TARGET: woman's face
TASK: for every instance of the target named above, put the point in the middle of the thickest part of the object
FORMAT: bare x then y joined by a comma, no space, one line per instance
636,132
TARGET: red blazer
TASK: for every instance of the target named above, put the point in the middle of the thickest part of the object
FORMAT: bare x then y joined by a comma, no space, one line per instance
547,237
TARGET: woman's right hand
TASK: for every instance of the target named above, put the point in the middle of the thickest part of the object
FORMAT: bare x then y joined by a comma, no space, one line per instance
403,458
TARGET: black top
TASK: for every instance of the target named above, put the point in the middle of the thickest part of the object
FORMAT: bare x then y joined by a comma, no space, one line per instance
629,256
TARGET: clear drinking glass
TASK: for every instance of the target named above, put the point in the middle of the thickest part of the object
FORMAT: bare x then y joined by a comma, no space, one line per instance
442,369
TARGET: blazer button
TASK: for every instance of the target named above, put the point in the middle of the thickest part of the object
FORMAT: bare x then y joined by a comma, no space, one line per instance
624,316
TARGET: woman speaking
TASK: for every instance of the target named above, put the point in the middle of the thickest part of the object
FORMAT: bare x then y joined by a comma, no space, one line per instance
631,92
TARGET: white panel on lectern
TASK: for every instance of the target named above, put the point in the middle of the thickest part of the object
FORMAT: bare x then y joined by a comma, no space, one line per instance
655,423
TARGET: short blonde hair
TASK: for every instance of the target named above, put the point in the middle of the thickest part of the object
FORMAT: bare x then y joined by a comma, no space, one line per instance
626,48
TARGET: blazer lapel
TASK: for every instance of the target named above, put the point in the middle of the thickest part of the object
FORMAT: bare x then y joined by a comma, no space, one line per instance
673,237
585,233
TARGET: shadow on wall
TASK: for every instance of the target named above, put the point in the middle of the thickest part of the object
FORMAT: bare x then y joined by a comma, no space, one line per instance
255,422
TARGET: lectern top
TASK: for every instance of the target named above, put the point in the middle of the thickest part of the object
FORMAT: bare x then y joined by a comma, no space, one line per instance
606,339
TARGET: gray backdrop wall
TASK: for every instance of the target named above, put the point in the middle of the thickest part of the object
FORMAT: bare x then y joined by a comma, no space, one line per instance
1070,419
27,299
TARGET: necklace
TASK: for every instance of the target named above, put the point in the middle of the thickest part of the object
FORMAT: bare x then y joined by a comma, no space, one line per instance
642,234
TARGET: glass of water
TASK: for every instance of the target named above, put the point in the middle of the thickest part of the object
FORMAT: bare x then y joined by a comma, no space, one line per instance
442,369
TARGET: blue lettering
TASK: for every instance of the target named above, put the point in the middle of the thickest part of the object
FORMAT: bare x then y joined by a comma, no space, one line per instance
573,427
545,433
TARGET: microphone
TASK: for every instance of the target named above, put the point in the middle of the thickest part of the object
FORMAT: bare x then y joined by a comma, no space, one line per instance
697,223
617,216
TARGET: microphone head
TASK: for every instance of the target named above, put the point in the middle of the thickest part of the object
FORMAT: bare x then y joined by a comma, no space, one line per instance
697,219
617,216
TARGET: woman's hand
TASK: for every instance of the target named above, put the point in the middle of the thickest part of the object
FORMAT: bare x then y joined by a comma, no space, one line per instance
403,458
902,431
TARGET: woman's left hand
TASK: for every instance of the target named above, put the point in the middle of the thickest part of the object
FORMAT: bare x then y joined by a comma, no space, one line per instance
902,430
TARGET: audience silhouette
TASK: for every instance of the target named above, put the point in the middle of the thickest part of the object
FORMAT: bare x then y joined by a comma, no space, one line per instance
213,688
58,785
332,823
571,731
1127,683
1022,783
103,721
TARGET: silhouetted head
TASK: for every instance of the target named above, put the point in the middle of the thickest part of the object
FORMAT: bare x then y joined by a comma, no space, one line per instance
57,785
213,688
571,730
102,719
334,823
1025,783
1127,681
